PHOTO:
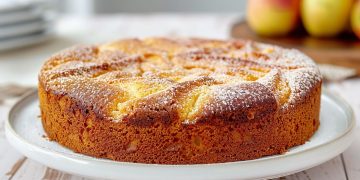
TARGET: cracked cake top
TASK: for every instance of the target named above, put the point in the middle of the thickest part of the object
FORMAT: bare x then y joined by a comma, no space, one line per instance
181,81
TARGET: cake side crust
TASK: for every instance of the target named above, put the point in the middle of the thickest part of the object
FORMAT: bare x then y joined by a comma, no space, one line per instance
82,131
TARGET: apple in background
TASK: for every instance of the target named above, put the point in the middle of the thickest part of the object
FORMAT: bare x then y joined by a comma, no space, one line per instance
273,17
325,18
355,19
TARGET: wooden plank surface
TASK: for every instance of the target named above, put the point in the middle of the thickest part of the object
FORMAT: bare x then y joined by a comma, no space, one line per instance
10,159
331,170
350,91
30,170
351,158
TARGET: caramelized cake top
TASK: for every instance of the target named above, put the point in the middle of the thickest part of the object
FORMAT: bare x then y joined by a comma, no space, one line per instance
181,81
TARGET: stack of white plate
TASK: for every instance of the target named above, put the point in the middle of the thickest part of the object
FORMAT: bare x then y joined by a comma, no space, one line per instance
24,22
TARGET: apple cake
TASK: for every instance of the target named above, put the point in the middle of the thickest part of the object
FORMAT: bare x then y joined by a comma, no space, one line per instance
179,101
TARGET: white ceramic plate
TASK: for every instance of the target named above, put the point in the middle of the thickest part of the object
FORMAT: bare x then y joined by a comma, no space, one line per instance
15,30
20,11
16,17
9,6
24,131
26,40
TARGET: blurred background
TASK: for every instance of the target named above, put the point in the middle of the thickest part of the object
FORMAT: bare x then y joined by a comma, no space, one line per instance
32,30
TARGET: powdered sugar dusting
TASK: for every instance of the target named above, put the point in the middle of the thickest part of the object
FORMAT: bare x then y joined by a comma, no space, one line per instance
238,76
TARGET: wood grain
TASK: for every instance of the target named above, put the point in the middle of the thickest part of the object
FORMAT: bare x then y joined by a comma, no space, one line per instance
30,170
352,158
10,159
349,90
15,167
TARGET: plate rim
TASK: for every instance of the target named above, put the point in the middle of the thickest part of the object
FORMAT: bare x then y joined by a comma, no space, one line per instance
85,159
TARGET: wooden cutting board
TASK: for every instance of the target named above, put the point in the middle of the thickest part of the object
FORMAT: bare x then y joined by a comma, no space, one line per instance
342,51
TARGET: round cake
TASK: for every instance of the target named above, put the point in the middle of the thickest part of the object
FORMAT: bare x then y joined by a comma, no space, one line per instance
180,101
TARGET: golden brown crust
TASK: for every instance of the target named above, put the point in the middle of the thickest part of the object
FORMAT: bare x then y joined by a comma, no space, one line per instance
180,101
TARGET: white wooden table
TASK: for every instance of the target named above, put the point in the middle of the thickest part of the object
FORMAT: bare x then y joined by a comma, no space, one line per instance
21,67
